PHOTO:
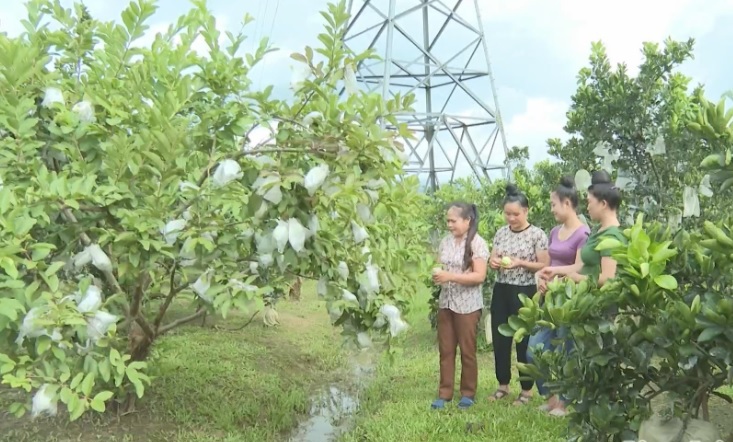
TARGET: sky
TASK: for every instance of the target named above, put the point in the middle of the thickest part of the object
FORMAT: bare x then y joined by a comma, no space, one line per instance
535,47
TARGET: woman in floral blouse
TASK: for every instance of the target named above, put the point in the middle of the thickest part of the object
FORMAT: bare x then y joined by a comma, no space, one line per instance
463,255
520,250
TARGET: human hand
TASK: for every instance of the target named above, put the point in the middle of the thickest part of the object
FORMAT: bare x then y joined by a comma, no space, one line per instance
542,286
510,263
547,273
495,262
441,276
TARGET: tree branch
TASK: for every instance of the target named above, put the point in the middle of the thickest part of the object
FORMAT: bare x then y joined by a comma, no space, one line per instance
178,322
173,291
109,276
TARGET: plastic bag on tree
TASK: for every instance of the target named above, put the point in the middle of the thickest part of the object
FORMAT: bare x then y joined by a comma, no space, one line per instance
265,243
51,96
280,235
28,328
265,260
187,254
343,270
184,185
91,301
253,267
172,229
315,178
311,117
322,287
582,179
365,214
99,325
350,84
348,296
396,324
659,429
691,203
380,322
85,111
227,171
369,281
296,235
313,224
202,285
705,189
363,339
658,147
360,235
43,402
100,260
94,254
376,184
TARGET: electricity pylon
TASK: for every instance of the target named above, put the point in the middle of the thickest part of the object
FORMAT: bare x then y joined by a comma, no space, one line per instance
438,51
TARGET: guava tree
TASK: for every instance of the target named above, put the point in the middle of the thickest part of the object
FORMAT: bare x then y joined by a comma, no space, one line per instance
636,128
130,183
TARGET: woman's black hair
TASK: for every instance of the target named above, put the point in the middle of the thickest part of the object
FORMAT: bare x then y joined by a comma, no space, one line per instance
469,212
603,189
514,195
566,191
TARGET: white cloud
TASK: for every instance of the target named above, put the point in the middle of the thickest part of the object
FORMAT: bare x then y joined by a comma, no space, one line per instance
569,26
541,119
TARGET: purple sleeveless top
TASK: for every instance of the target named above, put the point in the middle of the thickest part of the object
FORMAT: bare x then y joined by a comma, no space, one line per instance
562,253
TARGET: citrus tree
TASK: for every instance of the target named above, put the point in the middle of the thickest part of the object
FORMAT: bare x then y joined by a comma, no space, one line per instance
130,183
662,327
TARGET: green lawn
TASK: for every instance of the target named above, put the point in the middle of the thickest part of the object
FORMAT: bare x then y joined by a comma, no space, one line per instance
248,385
255,384
396,405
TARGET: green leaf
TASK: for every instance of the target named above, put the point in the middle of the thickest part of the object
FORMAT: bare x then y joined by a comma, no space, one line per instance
10,308
667,282
8,265
709,333
608,243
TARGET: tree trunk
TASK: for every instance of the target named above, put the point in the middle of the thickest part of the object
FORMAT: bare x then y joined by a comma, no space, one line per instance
294,292
139,345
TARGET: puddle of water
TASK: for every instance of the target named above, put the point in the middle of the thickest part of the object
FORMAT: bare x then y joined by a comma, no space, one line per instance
332,408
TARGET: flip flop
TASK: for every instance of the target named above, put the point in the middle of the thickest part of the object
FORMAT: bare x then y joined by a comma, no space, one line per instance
439,404
465,402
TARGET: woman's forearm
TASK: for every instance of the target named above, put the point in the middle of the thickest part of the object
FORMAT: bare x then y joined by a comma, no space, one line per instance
467,279
532,266
567,270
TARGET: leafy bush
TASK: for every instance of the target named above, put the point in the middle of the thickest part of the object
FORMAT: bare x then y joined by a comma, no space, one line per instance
130,183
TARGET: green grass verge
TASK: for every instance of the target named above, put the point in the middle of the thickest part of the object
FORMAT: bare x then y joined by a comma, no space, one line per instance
396,405
214,385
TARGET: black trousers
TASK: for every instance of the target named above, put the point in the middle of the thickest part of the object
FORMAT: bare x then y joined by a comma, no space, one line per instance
505,303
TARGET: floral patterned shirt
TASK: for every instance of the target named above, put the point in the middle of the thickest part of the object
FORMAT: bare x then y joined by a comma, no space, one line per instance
459,298
522,245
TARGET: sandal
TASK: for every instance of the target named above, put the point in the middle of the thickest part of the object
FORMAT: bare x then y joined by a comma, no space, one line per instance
465,402
522,399
558,412
498,395
439,404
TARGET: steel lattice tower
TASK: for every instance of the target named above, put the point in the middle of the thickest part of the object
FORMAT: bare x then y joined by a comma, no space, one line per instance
438,51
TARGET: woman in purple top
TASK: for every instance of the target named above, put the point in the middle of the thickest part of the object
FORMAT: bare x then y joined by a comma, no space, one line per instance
566,240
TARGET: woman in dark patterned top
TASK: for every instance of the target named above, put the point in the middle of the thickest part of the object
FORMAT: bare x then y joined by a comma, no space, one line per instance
520,250
463,255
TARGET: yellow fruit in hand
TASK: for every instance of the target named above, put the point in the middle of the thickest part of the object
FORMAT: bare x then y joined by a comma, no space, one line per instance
505,261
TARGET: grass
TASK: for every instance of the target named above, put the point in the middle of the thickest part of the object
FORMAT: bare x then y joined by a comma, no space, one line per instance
255,384
213,385
396,405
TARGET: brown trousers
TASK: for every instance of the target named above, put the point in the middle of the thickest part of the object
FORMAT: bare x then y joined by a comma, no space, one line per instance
457,330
